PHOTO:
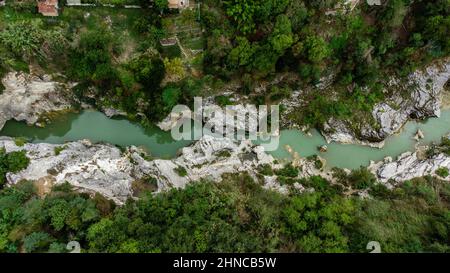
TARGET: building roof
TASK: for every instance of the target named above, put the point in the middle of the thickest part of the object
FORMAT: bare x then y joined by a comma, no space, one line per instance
178,4
48,7
168,41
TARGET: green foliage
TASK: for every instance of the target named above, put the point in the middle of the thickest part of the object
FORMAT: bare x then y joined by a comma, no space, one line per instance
223,101
317,162
30,39
281,37
318,224
394,13
361,48
445,145
12,162
205,215
41,225
20,141
91,59
148,70
315,49
242,54
320,109
201,218
37,241
411,218
174,68
223,153
181,171
59,149
361,179
243,12
288,171
170,97
442,172
321,185
161,4
265,169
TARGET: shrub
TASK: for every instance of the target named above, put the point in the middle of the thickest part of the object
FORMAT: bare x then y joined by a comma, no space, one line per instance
91,59
265,169
446,145
442,172
181,171
317,162
170,97
223,101
37,241
17,161
20,141
288,171
224,153
361,179
12,162
59,149
380,190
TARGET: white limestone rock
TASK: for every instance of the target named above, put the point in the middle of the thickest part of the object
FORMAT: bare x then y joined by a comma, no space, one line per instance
103,168
27,97
424,101
408,166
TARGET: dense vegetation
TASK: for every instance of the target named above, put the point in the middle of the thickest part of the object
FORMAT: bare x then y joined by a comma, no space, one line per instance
113,54
237,215
117,57
118,60
11,163
360,48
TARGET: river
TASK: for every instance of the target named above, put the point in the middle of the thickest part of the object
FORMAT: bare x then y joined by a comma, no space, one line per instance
96,127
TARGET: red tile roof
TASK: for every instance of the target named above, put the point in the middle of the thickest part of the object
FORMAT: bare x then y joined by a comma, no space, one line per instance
48,7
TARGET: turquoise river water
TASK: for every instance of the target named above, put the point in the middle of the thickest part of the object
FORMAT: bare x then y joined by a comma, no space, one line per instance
96,127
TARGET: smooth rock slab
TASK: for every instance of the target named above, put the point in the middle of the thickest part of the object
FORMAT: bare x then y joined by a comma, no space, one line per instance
27,97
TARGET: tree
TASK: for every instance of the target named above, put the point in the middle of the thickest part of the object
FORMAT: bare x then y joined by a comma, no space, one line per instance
161,5
91,59
268,8
148,70
12,162
317,224
243,13
58,212
394,13
37,241
170,97
297,13
281,37
174,69
29,39
315,49
242,54
323,4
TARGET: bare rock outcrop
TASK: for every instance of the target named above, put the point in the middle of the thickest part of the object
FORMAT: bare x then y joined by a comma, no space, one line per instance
27,97
408,166
92,167
209,158
423,100
103,168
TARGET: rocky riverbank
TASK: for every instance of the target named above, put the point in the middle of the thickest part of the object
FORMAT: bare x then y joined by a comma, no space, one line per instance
106,169
424,99
27,97
420,96
411,165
